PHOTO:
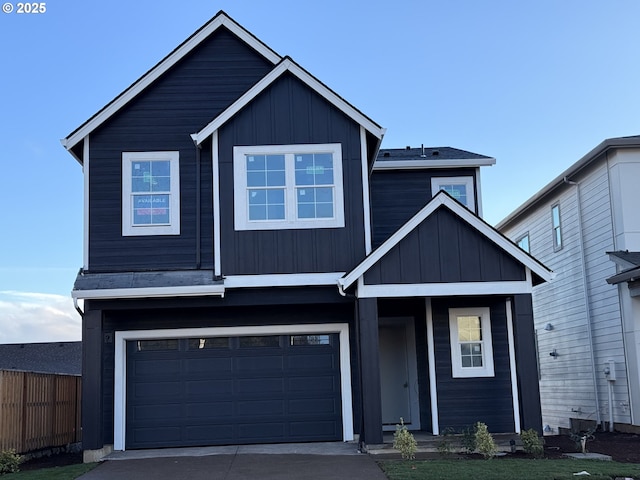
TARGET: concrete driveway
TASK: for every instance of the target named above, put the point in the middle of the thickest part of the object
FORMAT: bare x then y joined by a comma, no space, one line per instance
313,461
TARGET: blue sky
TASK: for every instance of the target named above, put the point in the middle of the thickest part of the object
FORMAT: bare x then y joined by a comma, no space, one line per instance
535,84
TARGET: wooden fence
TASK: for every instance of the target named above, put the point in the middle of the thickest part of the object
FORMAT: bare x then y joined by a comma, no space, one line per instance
38,410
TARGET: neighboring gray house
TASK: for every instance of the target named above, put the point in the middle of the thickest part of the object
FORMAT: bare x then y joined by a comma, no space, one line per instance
47,357
585,226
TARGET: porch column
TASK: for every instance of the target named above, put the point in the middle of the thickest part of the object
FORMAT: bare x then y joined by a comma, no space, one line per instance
370,371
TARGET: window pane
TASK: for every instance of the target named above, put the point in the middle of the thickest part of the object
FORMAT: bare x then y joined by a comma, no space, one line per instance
275,162
555,214
206,343
275,212
248,342
314,169
275,178
256,162
161,184
150,209
523,243
459,192
306,210
257,212
256,179
140,184
155,345
257,196
161,168
469,328
324,210
298,340
266,204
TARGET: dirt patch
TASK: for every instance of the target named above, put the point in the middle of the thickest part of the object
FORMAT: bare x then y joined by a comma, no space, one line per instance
621,447
54,460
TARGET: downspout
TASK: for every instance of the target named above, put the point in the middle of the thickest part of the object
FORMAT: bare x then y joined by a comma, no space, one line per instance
198,208
77,307
587,306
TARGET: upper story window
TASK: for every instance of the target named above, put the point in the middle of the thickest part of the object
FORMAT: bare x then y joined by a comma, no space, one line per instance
288,186
150,193
556,227
460,188
523,243
471,343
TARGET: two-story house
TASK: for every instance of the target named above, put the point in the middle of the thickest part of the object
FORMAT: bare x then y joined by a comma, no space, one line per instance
585,225
255,271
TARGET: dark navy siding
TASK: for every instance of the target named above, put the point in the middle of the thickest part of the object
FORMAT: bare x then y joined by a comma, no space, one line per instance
397,195
259,307
288,112
444,248
464,401
162,118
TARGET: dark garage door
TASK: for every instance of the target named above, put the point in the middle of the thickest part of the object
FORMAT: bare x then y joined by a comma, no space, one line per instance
233,390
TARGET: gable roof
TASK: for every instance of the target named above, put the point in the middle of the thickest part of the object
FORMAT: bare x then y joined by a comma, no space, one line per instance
50,357
221,19
560,180
444,199
429,157
287,65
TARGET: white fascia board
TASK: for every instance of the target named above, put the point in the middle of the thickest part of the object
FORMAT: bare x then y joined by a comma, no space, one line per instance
426,164
282,280
169,61
150,292
443,289
120,363
465,214
85,213
288,65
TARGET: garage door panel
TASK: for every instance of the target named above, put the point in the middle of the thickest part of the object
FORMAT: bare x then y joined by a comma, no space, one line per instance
238,390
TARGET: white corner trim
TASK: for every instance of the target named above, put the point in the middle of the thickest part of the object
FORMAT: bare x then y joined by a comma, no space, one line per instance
479,193
366,197
163,66
288,65
465,214
442,289
433,383
426,164
282,280
85,213
120,363
512,367
217,235
150,292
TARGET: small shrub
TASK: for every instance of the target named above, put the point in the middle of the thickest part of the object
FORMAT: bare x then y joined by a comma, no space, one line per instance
446,446
468,439
9,462
532,443
404,442
484,441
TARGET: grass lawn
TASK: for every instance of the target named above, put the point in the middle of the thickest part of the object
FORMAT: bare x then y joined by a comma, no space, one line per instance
69,472
507,469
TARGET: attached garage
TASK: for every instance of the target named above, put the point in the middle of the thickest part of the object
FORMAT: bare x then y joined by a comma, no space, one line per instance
219,387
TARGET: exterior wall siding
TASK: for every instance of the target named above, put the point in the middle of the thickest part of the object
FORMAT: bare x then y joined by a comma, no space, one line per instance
397,195
567,381
290,113
162,118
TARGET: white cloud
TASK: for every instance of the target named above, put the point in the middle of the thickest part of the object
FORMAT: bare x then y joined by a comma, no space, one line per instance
27,317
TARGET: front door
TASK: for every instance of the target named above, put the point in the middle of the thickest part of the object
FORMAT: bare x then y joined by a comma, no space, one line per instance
398,373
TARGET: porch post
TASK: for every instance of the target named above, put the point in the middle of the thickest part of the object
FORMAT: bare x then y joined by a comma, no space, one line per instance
370,371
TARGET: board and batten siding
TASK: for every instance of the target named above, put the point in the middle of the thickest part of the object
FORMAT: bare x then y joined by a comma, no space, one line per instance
567,381
287,113
162,118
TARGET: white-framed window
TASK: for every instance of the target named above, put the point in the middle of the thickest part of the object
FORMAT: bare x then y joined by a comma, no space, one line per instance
150,193
523,242
288,186
471,345
460,188
556,227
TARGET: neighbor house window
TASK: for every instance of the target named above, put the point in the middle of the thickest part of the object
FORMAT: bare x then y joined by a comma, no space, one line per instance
150,193
460,188
556,226
471,345
288,186
523,243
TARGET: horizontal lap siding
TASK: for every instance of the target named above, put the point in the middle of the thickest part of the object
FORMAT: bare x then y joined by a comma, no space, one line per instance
444,248
398,195
162,118
464,401
286,113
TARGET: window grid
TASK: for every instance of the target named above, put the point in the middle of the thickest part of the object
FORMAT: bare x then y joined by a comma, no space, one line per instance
471,343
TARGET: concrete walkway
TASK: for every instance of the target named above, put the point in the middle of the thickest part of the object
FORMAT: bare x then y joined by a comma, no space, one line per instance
313,461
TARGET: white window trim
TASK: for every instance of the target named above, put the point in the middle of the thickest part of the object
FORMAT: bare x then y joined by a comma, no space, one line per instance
128,228
241,215
464,180
457,370
556,246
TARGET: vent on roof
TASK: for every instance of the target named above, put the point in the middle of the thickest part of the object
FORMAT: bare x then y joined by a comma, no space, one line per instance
435,153
423,155
386,154
408,147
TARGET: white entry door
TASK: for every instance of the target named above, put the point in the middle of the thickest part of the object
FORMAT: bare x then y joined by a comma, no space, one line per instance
398,373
